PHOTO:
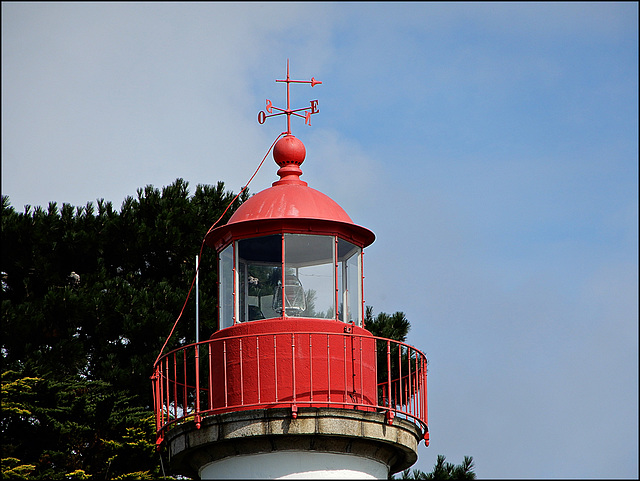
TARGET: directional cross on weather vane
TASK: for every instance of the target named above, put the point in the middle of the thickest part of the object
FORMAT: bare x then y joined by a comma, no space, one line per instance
308,111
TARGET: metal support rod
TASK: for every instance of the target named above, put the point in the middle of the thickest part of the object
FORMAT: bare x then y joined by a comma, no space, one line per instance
197,300
197,359
362,308
282,268
389,373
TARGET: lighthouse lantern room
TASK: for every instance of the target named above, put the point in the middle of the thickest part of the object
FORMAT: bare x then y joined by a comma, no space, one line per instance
292,384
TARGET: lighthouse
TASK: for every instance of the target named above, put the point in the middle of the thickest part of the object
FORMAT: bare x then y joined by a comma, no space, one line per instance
292,385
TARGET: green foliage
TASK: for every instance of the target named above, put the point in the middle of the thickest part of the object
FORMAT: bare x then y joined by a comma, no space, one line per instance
89,295
444,471
12,468
62,429
395,326
92,293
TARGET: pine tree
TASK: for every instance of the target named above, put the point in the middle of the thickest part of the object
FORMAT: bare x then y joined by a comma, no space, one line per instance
88,297
444,471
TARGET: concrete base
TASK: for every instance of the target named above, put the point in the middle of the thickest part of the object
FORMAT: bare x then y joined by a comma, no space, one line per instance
365,445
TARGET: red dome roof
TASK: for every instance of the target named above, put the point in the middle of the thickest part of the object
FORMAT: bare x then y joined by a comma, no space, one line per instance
290,205
290,201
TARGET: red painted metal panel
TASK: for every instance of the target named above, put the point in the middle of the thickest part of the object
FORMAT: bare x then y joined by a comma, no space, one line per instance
285,374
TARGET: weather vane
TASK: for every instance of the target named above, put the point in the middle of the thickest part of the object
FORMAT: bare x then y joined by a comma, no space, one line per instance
308,111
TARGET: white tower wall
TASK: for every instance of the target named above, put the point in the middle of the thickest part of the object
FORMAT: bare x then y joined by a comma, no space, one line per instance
295,465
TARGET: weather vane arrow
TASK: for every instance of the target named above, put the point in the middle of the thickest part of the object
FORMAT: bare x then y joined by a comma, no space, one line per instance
308,111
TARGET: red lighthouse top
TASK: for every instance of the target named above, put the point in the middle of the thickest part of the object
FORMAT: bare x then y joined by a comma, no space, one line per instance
291,336
290,205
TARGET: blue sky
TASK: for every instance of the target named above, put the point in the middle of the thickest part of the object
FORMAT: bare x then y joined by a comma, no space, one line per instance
492,148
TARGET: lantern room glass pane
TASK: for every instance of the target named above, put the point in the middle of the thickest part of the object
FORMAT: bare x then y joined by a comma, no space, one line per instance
318,272
225,296
259,272
309,277
350,282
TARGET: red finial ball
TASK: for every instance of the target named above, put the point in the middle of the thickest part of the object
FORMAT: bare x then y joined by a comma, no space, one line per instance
289,150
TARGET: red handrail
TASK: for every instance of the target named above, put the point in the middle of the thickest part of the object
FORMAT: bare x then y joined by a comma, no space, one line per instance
401,392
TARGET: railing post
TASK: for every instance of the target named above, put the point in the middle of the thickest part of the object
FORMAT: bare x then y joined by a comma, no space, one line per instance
275,355
419,386
361,377
417,389
258,364
224,368
185,408
344,363
328,370
375,344
210,370
410,401
241,375
175,386
157,397
197,359
389,373
353,370
294,408
168,392
293,364
310,369
153,395
400,376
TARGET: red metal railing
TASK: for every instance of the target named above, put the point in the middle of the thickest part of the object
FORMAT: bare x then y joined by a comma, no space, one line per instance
260,371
